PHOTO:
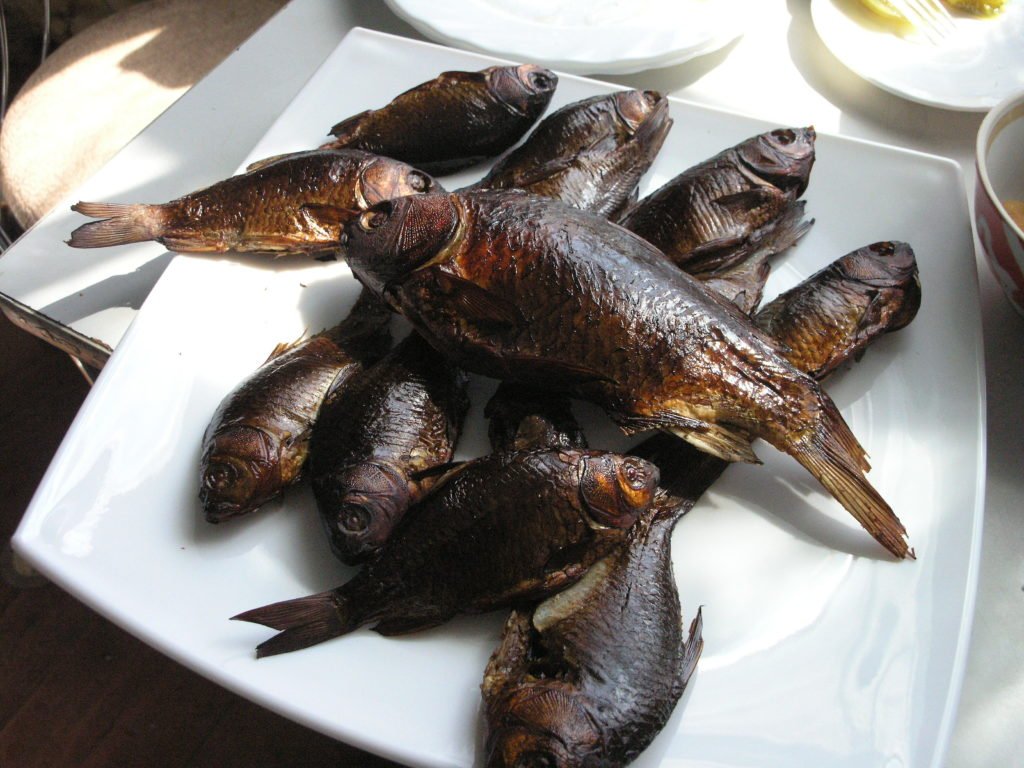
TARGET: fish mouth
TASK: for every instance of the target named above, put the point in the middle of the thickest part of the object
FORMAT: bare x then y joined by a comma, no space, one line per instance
219,511
634,108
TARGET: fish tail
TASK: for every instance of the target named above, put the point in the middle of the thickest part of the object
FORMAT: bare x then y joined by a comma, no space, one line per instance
302,622
694,647
833,455
121,223
344,131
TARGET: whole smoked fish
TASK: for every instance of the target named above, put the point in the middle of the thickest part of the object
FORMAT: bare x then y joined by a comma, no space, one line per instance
257,441
589,154
591,675
371,446
292,205
712,215
455,120
520,287
503,528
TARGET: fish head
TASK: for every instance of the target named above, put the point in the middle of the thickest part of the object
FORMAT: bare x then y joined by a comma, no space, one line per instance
542,726
525,89
394,237
635,108
887,266
241,469
360,507
383,178
783,156
616,489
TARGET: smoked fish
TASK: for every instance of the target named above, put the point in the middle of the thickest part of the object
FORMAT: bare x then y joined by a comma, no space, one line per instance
296,204
258,439
520,287
503,528
712,215
372,445
453,121
590,154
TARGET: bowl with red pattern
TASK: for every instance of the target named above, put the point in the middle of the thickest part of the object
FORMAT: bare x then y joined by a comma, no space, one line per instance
999,194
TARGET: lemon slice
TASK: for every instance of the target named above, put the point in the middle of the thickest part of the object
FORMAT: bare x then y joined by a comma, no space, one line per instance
883,8
977,7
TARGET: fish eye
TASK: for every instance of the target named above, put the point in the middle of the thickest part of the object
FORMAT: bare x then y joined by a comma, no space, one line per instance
540,80
419,181
784,135
372,219
634,475
220,475
354,519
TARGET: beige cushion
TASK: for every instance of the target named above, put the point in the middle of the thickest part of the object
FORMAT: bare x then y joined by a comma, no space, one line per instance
107,83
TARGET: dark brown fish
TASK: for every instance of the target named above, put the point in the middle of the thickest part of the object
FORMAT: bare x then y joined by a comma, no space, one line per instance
520,287
712,215
589,154
500,529
566,686
292,205
743,283
522,418
371,446
455,120
257,442
830,316
591,675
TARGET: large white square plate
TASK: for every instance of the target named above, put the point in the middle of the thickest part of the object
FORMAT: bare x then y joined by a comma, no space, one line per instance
819,650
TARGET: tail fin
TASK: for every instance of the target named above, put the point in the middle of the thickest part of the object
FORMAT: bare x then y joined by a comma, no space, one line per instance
694,646
122,223
837,460
302,622
345,130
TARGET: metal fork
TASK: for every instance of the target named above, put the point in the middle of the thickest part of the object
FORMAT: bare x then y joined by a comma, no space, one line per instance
929,16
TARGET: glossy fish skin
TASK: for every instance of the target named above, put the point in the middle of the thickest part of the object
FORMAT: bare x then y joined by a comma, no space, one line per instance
522,418
519,287
497,530
258,439
590,154
563,685
743,283
591,675
455,120
292,205
705,218
868,292
400,417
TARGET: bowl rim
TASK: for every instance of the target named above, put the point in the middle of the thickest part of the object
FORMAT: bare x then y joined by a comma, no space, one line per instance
990,126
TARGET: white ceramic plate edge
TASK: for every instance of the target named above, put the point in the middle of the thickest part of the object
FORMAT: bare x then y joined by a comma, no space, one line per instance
37,554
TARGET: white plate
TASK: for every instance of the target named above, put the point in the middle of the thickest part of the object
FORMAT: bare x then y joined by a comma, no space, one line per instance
581,36
818,650
974,68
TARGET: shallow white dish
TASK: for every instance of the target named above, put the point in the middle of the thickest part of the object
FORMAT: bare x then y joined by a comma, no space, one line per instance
581,36
819,651
972,69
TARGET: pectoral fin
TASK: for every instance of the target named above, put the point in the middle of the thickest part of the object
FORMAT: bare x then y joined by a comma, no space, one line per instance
726,443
